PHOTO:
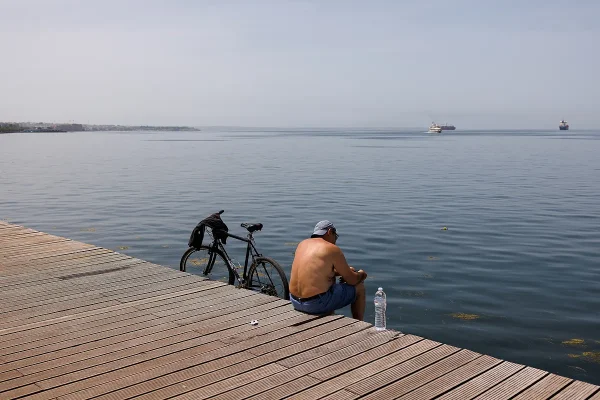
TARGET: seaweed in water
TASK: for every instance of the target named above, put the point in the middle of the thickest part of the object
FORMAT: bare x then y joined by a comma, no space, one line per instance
465,317
574,342
590,356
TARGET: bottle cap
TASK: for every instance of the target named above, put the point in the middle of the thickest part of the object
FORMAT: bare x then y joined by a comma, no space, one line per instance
380,289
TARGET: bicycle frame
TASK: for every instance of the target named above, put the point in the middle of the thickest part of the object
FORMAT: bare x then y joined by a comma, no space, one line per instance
251,251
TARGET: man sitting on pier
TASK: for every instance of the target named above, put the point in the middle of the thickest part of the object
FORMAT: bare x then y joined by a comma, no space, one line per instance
317,262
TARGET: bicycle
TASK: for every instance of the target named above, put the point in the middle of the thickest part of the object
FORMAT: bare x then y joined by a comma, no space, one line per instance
264,275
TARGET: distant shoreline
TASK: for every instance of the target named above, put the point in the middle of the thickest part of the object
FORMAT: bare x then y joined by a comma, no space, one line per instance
42,127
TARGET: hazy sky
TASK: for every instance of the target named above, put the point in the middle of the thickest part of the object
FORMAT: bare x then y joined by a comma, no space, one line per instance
477,64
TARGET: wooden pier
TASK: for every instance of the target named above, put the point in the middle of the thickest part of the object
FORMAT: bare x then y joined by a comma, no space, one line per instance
79,321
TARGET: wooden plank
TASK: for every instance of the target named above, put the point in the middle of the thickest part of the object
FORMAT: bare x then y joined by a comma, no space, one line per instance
25,270
20,265
5,231
86,293
77,315
413,344
576,391
370,336
31,244
99,339
57,358
44,281
57,334
369,346
46,258
10,232
32,239
341,395
217,382
103,321
137,348
544,388
316,345
400,380
514,385
288,389
175,294
483,382
46,252
404,361
133,272
92,376
449,380
63,269
50,312
232,382
178,364
596,396
86,262
42,258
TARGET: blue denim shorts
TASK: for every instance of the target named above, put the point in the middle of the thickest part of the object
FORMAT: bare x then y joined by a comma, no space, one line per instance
338,296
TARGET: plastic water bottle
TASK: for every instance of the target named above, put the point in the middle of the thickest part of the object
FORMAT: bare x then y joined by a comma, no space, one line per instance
380,305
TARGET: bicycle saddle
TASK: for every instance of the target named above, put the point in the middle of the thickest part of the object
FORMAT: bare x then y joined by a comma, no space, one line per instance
252,227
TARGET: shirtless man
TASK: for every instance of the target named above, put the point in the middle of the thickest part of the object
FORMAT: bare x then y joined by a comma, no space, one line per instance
317,262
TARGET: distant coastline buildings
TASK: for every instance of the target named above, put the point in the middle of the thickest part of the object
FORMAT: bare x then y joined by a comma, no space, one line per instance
13,127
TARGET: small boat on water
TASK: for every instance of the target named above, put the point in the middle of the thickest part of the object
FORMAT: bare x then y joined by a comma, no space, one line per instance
564,126
435,128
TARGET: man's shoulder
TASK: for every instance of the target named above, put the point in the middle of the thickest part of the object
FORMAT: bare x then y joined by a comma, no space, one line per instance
320,244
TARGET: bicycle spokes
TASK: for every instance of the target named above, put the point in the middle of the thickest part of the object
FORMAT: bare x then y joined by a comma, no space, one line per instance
267,277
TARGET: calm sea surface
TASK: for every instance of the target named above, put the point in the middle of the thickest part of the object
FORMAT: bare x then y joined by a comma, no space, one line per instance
516,274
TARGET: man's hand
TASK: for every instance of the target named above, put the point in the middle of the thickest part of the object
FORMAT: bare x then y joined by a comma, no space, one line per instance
360,272
363,273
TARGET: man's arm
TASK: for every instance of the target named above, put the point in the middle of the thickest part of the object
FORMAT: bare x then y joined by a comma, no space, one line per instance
342,268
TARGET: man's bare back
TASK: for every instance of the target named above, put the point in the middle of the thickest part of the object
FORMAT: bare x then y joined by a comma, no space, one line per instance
317,262
313,268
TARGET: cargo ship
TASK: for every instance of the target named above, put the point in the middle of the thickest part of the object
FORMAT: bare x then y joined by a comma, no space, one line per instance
564,126
447,127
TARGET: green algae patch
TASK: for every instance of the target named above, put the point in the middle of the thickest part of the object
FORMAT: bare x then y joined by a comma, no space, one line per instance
574,342
89,230
432,258
199,261
465,317
591,356
427,276
123,247
291,244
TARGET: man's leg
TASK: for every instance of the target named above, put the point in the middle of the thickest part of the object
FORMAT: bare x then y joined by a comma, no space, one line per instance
358,307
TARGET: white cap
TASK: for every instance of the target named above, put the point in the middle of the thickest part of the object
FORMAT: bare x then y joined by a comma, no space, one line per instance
380,289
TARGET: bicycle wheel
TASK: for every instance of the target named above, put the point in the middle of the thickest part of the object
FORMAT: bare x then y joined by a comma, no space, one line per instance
196,260
266,276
